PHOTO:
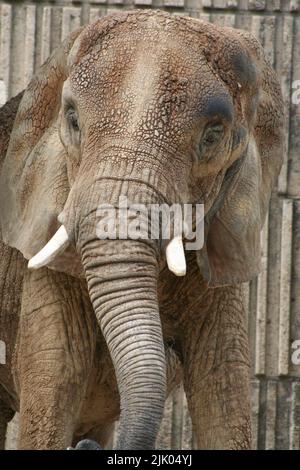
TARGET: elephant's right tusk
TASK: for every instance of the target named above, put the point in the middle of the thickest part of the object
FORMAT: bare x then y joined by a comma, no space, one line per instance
57,244
176,257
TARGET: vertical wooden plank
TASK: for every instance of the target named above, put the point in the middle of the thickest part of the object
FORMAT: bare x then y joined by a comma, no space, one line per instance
269,38
22,47
42,35
56,27
295,418
16,51
284,71
261,430
243,21
294,138
243,5
95,14
285,287
5,44
70,21
274,5
294,5
177,419
274,247
273,284
261,308
255,412
257,27
284,405
221,4
85,13
29,46
207,3
193,7
271,415
46,27
294,369
252,303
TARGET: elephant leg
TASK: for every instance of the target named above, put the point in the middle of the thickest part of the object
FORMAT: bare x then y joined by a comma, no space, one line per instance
216,370
56,349
6,415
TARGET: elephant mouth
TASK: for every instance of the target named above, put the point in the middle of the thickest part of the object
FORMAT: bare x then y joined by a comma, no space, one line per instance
174,251
173,226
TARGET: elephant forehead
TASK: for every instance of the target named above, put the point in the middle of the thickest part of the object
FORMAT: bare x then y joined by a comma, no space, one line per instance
151,74
146,73
135,66
155,50
132,25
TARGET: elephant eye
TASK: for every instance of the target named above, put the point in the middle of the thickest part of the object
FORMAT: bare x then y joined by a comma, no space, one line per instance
72,119
212,135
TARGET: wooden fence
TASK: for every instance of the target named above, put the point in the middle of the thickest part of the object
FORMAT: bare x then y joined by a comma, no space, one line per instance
28,33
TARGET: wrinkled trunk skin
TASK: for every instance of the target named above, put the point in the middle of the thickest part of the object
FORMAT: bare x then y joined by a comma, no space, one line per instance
125,301
122,282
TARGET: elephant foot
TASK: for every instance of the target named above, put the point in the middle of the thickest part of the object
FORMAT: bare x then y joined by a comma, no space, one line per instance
86,444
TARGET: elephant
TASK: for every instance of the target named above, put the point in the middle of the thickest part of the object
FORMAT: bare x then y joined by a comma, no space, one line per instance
160,109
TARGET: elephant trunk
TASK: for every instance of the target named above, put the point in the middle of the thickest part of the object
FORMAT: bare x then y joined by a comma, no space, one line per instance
122,282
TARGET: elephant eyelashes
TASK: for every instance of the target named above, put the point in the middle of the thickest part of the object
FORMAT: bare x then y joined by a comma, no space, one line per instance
73,135
72,119
212,135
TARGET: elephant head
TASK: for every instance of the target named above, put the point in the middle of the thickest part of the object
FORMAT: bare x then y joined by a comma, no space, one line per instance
159,109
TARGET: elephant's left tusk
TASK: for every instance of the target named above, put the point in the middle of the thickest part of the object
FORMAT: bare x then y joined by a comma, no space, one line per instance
176,257
57,244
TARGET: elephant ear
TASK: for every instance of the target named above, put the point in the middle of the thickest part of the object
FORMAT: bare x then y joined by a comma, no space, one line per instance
7,116
232,250
33,181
